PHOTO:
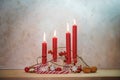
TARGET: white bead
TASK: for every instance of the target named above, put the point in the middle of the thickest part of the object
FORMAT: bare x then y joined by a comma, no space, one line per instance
44,68
52,68
74,68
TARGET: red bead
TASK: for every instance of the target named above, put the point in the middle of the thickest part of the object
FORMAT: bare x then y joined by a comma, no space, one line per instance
50,52
58,69
79,68
78,71
64,60
26,69
61,53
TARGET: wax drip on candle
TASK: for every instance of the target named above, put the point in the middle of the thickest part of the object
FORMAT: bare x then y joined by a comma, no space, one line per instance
67,27
44,37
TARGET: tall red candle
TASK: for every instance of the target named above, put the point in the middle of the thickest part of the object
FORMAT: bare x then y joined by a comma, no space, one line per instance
68,45
74,42
44,51
54,45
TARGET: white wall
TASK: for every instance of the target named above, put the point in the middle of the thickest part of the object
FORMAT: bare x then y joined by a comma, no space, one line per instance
22,23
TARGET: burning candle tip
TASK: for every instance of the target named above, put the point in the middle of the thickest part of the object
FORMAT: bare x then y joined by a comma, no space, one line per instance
74,21
44,37
55,33
67,27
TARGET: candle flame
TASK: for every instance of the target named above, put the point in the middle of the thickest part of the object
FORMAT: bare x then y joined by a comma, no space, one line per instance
55,33
74,21
44,37
67,27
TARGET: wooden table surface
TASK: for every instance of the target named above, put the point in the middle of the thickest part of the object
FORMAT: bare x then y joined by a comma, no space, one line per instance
100,74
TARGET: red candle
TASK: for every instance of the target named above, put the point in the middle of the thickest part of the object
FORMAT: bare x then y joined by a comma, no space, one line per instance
44,51
54,45
68,45
74,42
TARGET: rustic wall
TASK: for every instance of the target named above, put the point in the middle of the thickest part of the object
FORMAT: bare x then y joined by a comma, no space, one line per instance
22,23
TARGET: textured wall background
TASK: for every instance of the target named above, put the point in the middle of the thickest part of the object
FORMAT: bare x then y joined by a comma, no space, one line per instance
22,23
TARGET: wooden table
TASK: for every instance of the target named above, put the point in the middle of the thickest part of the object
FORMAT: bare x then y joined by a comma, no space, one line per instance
21,75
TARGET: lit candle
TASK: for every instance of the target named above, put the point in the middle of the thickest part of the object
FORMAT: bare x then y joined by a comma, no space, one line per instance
54,45
44,50
68,45
74,42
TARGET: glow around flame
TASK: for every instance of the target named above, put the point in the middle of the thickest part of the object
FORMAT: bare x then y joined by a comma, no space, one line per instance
55,33
67,27
44,37
74,21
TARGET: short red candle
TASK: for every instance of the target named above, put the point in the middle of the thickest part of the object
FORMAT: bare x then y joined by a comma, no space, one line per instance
44,51
68,46
74,42
54,46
